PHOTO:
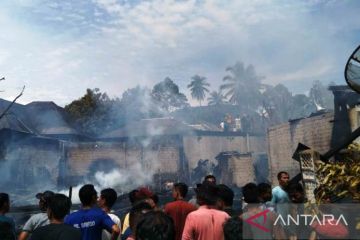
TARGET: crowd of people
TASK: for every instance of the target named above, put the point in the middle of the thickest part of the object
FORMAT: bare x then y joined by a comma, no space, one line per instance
210,215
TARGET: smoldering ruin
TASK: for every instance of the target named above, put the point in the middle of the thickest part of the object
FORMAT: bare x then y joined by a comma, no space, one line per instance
40,150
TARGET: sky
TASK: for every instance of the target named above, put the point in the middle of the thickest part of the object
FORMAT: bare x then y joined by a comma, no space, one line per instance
59,48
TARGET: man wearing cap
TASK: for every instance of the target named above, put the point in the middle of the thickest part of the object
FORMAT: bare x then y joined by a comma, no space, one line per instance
39,219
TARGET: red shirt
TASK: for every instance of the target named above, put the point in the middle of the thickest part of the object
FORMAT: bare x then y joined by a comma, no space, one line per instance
205,224
178,210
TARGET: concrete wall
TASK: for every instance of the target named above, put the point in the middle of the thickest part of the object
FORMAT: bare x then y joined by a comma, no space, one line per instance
237,170
315,132
155,157
208,147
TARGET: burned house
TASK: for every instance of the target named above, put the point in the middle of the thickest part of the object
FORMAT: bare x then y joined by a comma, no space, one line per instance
321,131
40,149
165,147
30,147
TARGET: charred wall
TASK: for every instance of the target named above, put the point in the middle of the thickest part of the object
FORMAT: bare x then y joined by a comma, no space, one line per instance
208,147
283,139
155,156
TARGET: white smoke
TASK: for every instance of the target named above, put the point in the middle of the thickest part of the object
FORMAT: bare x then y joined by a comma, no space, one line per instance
122,180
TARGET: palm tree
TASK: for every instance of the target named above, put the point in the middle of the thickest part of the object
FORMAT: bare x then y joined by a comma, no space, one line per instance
216,98
198,87
242,85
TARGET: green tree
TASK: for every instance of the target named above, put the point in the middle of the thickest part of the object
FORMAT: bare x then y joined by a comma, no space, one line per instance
242,86
198,87
92,113
168,96
216,98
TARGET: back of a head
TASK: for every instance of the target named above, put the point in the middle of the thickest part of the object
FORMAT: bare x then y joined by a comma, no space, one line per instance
226,194
136,212
264,190
142,194
233,229
109,195
132,196
207,194
4,199
264,187
250,193
86,194
59,206
295,187
155,225
182,188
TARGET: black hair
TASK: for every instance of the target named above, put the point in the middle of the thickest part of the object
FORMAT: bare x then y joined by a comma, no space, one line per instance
250,193
233,229
155,198
4,198
59,205
207,177
109,195
86,194
132,196
136,213
265,193
226,194
182,188
155,225
207,194
294,187
281,173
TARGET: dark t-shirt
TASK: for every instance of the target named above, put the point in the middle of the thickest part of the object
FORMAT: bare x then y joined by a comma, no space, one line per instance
178,210
91,222
56,232
7,228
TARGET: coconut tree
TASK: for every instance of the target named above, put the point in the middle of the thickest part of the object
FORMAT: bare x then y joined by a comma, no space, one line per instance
216,98
198,87
242,86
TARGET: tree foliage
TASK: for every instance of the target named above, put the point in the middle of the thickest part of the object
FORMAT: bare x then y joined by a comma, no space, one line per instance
198,87
216,98
242,85
92,112
168,96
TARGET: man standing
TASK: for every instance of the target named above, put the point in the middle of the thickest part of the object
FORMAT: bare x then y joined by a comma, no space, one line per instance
58,207
206,223
279,195
90,219
179,209
280,199
39,219
107,199
7,225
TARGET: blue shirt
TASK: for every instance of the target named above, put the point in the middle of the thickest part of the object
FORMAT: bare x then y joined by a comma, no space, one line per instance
91,222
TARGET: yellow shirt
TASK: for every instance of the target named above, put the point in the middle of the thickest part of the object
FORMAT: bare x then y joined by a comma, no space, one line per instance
126,223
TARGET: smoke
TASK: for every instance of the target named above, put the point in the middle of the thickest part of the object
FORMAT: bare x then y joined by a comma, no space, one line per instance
122,180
